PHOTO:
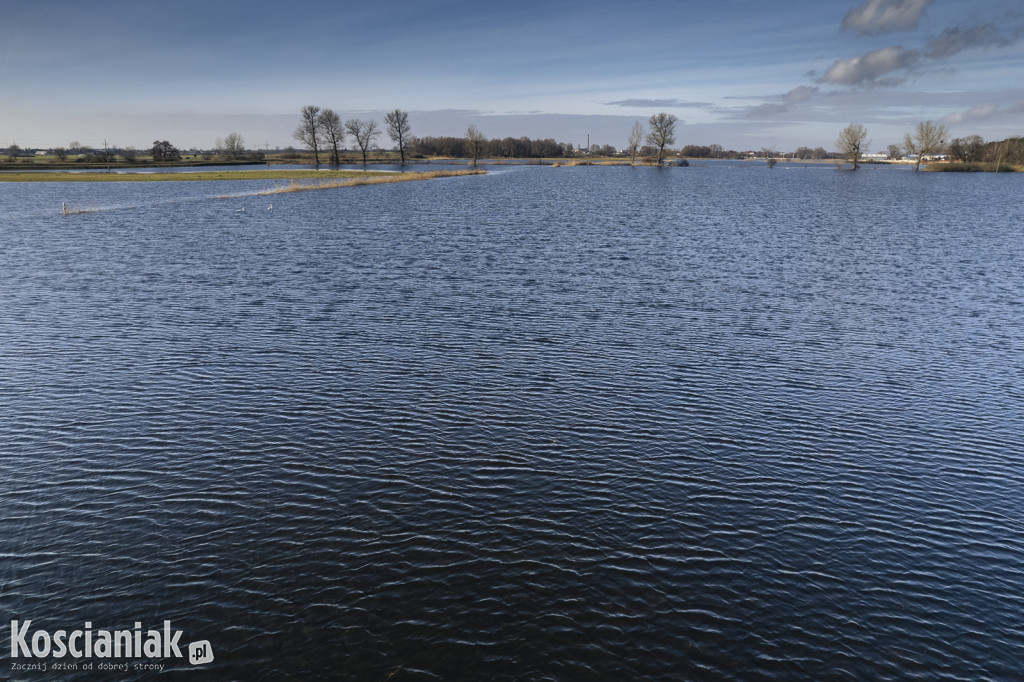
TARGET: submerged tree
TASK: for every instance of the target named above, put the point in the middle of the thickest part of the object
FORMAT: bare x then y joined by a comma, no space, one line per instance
928,138
636,138
663,132
308,132
769,156
332,132
474,142
365,133
851,142
398,129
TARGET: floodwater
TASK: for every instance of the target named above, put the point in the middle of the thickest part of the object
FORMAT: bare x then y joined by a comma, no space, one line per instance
717,422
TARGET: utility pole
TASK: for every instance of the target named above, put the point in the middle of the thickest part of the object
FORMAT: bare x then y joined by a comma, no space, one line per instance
106,156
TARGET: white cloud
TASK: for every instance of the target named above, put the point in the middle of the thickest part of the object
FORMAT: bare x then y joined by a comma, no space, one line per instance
869,69
885,16
665,103
874,68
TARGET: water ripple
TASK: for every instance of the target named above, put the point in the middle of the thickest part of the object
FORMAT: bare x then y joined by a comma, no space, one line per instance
556,424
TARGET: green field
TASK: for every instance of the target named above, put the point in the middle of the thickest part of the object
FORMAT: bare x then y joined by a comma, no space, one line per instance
100,176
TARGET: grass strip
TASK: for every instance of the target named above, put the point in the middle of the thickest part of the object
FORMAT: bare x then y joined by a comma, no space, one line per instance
207,176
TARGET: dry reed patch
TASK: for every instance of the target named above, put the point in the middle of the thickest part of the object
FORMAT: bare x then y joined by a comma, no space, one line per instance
304,185
73,210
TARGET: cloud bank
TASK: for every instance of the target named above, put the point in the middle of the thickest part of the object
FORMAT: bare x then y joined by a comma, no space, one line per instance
663,103
884,16
959,38
984,112
874,67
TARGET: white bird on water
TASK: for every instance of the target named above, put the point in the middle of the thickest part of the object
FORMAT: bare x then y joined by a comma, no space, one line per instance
241,210
270,208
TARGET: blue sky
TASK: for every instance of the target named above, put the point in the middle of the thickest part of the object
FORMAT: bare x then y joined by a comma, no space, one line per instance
741,73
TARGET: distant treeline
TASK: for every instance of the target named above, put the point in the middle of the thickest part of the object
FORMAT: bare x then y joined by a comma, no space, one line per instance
509,147
526,148
716,151
1009,151
974,154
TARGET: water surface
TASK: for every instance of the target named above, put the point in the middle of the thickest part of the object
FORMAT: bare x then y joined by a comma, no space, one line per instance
713,422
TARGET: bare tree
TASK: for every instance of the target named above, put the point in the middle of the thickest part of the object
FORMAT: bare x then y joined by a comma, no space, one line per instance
365,133
895,151
636,138
332,131
398,129
232,146
769,156
928,138
967,149
60,153
663,132
851,142
474,143
308,132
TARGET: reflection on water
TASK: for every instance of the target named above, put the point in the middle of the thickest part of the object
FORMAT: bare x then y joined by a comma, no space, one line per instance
558,423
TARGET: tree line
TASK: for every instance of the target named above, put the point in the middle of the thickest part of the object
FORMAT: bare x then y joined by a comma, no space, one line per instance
322,129
508,147
232,147
929,139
